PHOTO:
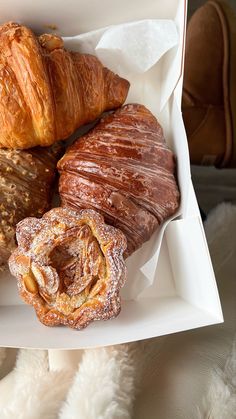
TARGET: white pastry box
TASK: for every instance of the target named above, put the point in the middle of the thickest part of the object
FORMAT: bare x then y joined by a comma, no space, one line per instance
171,285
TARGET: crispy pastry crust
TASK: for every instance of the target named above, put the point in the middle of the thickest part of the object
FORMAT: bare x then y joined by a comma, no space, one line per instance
46,92
124,169
26,181
69,266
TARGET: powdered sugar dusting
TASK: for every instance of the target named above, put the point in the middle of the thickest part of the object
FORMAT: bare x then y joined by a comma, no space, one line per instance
69,266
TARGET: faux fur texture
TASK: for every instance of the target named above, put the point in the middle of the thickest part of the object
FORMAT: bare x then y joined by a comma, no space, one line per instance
103,387
220,401
37,392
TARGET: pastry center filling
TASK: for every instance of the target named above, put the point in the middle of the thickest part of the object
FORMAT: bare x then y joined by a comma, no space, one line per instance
81,267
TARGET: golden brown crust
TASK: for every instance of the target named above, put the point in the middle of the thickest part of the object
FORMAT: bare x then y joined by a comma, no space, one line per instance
26,178
50,42
123,169
46,92
69,265
26,101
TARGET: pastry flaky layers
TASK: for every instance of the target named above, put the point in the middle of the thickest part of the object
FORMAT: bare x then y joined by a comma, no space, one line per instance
69,265
46,92
26,186
124,169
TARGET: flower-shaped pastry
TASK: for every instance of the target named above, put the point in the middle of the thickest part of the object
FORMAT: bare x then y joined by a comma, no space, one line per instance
69,265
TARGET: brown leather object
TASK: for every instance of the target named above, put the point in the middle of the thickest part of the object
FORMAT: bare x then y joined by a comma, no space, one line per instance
26,178
124,169
46,92
209,99
69,265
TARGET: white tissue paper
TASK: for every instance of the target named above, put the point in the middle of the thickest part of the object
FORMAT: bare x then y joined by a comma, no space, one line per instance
131,49
136,46
137,51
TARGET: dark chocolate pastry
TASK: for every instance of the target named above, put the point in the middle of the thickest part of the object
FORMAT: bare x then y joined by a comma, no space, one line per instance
124,169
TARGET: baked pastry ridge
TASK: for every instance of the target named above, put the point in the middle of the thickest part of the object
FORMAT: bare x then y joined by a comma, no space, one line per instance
124,169
69,266
47,92
26,189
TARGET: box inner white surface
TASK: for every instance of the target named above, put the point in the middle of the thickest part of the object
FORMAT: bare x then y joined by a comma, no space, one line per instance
184,293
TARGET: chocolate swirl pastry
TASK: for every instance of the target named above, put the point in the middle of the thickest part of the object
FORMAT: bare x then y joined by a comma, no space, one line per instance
124,169
47,92
69,266
26,180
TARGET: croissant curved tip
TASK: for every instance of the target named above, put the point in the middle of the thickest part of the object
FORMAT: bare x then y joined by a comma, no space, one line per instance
117,89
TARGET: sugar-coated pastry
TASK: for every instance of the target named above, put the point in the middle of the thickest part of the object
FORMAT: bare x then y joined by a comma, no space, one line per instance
26,183
47,92
69,266
124,169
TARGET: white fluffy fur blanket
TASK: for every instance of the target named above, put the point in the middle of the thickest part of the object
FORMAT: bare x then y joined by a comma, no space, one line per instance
189,375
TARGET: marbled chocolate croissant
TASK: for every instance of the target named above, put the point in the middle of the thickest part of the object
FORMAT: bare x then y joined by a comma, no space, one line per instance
46,92
26,178
124,169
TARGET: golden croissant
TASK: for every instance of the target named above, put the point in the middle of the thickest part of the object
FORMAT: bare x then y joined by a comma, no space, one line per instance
46,92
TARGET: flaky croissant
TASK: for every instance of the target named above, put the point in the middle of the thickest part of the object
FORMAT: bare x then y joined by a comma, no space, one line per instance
69,266
123,169
46,92
26,178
